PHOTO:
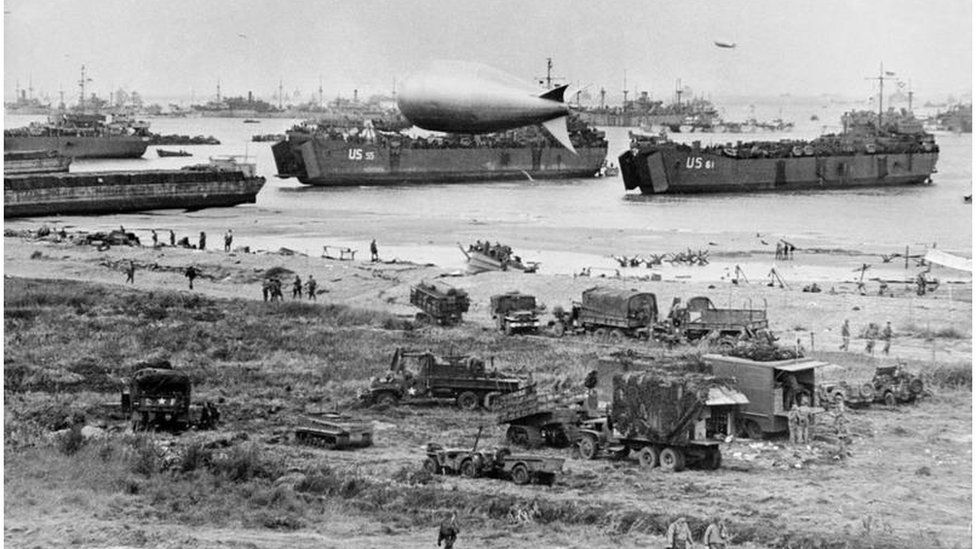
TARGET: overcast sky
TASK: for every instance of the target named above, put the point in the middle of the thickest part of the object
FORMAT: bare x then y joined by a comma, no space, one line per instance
800,47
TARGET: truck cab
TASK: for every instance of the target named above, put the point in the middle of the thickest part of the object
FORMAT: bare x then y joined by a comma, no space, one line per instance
515,312
158,397
700,318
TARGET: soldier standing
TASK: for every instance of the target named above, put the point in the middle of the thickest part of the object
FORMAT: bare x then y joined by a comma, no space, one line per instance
228,239
845,333
448,532
678,535
191,273
716,535
203,240
155,239
311,286
130,273
265,288
296,288
803,422
374,254
871,335
172,238
793,421
886,337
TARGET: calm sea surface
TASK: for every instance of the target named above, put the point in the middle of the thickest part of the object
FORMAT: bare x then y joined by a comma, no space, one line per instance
296,216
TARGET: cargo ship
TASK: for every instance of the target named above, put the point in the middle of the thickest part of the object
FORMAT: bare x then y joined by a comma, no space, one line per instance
222,182
77,135
23,162
327,154
873,150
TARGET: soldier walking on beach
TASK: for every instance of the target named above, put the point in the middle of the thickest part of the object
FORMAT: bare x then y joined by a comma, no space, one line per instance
678,535
265,289
130,273
448,532
374,254
155,239
871,334
886,337
310,287
228,239
716,535
804,422
203,240
172,238
191,273
779,250
296,288
845,333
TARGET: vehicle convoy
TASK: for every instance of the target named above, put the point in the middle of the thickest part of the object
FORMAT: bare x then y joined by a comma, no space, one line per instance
515,312
497,463
609,313
771,387
159,397
700,318
663,417
439,303
893,384
873,150
459,377
334,431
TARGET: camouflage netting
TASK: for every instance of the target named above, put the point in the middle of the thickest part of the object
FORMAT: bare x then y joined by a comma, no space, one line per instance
765,353
658,404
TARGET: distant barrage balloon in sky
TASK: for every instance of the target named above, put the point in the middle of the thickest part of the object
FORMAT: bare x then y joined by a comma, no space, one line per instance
462,97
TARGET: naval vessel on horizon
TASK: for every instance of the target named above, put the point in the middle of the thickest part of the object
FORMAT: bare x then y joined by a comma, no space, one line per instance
79,135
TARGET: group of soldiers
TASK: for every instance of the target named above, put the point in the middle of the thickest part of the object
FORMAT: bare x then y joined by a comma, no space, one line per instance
716,535
871,335
271,288
496,251
784,250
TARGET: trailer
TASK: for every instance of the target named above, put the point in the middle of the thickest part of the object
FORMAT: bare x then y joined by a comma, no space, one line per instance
771,387
439,303
664,418
421,376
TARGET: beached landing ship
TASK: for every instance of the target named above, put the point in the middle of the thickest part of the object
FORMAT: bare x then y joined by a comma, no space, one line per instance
367,155
872,150
81,136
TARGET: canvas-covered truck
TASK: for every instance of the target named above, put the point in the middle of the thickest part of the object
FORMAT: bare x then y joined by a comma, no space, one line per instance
699,318
421,376
551,418
663,417
515,312
159,398
610,313
771,387
439,303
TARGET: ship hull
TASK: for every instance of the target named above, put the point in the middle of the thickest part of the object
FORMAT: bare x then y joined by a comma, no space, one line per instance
116,192
325,163
80,146
668,170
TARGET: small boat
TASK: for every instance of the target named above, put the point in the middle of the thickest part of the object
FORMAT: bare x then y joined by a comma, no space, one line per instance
163,153
485,257
251,121
968,199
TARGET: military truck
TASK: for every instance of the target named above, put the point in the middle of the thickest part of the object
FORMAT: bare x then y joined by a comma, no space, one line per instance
610,314
514,312
159,397
663,417
421,376
700,318
771,387
551,418
439,303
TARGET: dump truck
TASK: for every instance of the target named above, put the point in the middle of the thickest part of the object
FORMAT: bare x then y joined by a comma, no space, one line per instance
496,463
159,398
535,418
771,387
421,376
515,312
699,318
439,303
610,313
334,431
663,417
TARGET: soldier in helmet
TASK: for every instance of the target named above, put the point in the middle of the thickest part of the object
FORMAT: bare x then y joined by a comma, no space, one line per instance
678,535
448,532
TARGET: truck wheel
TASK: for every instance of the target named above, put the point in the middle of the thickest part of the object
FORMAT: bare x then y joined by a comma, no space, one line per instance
430,465
490,401
469,468
467,401
588,446
616,335
752,430
916,386
600,334
520,474
890,399
559,330
672,460
867,391
386,398
647,457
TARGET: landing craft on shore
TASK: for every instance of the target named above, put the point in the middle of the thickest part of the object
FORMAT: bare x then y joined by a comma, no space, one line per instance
472,98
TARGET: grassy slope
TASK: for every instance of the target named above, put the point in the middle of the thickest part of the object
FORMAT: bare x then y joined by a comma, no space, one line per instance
271,362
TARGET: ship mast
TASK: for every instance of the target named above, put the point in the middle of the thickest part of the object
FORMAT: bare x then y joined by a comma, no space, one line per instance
549,77
81,85
881,78
625,89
